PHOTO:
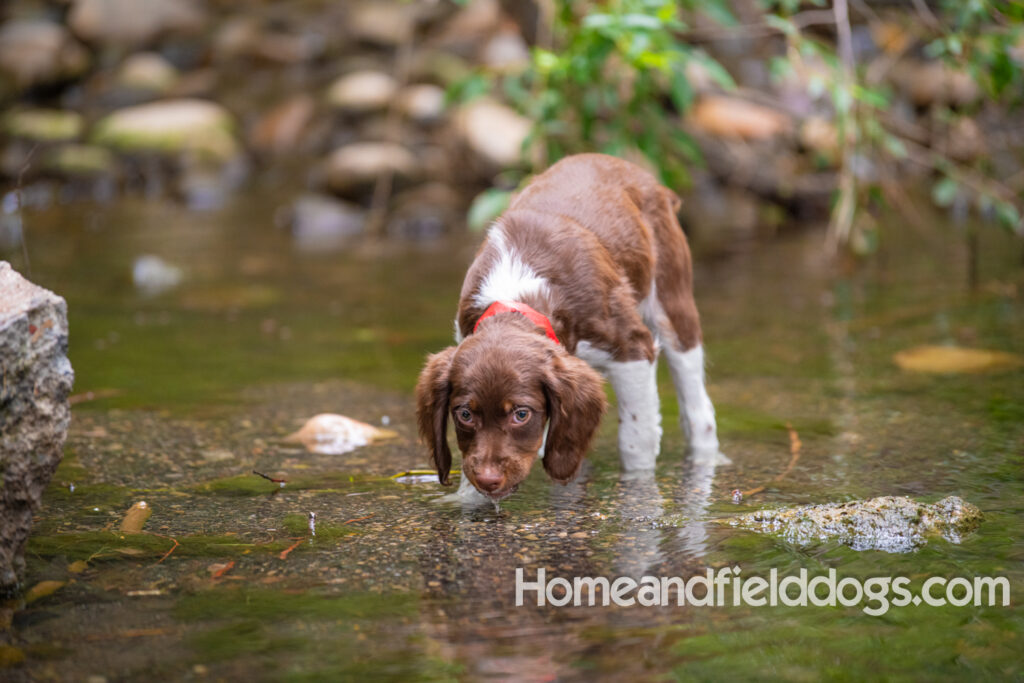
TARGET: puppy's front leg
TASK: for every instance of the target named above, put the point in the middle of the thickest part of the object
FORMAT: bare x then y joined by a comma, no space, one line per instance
636,392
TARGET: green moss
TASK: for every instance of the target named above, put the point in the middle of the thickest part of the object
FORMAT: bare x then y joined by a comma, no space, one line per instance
88,495
239,485
106,545
255,485
44,125
272,605
360,636
298,525
734,420
246,637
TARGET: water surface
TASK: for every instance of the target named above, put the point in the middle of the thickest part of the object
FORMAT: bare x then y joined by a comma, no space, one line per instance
194,388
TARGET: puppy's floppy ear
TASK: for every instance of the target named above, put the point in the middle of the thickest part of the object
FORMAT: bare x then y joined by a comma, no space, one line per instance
432,393
576,403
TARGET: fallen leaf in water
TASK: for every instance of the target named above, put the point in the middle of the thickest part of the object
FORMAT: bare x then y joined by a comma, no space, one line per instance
136,518
43,589
78,566
130,552
954,359
10,656
219,569
329,434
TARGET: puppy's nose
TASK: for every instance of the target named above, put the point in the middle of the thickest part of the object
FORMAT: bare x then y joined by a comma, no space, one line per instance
489,479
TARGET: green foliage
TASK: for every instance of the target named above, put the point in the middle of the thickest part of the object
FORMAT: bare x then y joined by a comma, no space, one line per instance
487,206
616,78
617,83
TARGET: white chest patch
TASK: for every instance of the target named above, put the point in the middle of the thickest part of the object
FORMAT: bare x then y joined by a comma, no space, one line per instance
510,279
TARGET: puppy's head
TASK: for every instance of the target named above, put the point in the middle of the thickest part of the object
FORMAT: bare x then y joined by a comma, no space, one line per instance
500,387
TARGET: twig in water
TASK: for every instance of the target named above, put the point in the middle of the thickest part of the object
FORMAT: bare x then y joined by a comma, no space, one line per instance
359,519
282,482
794,450
224,570
293,546
168,553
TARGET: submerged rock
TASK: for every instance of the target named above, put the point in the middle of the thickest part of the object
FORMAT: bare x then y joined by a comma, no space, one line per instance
34,410
894,524
151,275
321,223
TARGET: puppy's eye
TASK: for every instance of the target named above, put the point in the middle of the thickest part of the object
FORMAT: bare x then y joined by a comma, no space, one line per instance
464,415
520,415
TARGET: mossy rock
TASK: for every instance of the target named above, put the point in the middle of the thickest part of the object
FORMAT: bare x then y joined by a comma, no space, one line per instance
895,524
44,125
172,127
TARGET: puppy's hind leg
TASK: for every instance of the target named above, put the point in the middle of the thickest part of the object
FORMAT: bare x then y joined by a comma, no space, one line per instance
696,412
672,312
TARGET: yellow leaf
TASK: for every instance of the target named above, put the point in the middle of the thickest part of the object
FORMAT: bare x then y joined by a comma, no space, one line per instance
10,656
954,359
42,589
136,518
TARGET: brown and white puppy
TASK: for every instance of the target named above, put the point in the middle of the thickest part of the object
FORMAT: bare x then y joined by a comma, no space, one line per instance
587,264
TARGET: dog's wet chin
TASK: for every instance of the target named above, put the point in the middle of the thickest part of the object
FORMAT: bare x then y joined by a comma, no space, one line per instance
501,495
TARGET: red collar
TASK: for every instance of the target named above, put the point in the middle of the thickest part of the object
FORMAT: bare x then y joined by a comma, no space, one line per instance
537,318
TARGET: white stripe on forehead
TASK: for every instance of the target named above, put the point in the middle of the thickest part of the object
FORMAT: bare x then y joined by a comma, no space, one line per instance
509,279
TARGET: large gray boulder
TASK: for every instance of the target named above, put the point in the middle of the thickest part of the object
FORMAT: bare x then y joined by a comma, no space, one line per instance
34,410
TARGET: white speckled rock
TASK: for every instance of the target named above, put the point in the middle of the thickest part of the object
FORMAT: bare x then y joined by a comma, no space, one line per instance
34,410
894,524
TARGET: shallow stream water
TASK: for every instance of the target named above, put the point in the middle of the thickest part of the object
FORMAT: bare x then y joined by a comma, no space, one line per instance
194,388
